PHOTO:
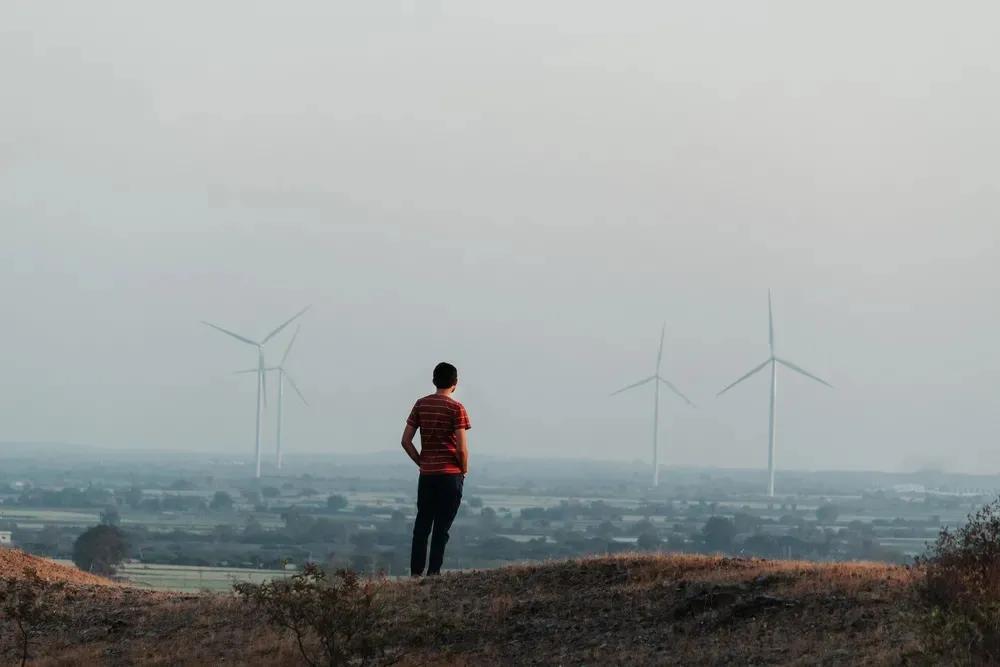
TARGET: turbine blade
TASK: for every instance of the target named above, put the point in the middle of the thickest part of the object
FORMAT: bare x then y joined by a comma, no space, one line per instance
248,370
659,355
756,369
262,374
230,333
288,349
770,323
803,371
634,385
295,387
677,391
285,324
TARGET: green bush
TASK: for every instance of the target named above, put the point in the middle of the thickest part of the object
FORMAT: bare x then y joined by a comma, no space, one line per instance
335,620
959,591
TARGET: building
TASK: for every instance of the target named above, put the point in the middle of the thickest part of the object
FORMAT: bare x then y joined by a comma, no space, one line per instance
5,538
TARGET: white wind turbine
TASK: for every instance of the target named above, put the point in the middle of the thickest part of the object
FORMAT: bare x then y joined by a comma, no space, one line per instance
260,370
773,362
282,376
657,379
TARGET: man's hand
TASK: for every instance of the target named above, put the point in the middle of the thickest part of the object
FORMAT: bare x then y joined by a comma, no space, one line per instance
407,442
463,450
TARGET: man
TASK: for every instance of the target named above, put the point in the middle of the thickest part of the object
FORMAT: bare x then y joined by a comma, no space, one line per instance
443,460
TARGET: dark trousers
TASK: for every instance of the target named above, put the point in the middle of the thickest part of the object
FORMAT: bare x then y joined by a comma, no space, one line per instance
438,498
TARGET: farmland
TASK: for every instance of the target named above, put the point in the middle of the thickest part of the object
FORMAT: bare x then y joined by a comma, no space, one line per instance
202,527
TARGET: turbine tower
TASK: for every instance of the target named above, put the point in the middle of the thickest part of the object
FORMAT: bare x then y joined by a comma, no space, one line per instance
260,370
773,362
282,376
657,379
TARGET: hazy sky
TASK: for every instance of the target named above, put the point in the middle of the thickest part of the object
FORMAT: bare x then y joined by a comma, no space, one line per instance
528,189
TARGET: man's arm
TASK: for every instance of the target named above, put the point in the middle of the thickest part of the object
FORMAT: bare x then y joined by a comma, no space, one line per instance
463,449
407,442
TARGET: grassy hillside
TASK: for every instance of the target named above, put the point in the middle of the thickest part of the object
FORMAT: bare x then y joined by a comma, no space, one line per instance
635,609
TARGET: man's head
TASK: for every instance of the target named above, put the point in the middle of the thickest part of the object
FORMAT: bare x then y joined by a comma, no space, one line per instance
445,376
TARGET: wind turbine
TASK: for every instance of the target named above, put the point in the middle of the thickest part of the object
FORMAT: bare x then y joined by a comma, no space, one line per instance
657,379
260,370
282,376
773,362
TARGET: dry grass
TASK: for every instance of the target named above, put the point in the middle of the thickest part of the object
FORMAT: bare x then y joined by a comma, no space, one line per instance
629,609
13,563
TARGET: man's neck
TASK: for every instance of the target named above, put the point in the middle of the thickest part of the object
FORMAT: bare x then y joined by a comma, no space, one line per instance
443,392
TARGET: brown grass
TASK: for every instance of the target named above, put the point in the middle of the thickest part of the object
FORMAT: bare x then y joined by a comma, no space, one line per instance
13,562
629,609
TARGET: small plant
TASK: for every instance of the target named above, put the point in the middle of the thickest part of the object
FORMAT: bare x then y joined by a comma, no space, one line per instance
27,603
959,592
341,614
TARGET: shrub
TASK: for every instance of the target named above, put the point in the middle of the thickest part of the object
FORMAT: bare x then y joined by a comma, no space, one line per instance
959,592
342,614
27,603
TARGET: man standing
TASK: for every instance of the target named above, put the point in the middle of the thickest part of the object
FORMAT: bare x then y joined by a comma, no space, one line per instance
443,460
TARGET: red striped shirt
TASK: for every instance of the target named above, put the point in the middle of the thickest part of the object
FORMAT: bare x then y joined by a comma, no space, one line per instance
438,417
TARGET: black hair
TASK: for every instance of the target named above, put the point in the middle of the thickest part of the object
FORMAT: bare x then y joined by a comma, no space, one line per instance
445,375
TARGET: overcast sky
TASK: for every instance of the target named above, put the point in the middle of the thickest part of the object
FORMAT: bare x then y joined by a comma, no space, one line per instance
527,189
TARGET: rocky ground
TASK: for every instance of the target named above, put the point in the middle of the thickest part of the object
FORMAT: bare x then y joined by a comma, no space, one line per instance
636,610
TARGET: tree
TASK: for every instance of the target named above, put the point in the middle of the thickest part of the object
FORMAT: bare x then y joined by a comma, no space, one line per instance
110,516
224,533
252,496
363,540
827,513
745,523
488,520
336,502
133,497
648,541
221,502
270,492
718,533
100,549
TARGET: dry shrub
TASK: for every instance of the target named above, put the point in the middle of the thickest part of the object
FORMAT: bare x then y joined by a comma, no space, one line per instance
335,620
959,592
500,607
26,603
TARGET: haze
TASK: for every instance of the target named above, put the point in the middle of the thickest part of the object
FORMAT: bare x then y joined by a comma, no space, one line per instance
527,189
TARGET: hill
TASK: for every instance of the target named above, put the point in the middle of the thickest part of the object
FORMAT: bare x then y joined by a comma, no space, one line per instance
13,563
634,609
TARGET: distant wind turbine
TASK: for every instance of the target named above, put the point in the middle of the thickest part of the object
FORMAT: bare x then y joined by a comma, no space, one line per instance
260,370
282,376
773,362
656,378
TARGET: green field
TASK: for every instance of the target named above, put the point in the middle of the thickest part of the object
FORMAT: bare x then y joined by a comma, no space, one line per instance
192,578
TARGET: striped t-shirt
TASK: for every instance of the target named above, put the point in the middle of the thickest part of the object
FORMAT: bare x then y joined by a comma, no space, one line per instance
438,417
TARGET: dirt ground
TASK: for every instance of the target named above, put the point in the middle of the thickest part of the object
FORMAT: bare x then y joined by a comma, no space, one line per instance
627,610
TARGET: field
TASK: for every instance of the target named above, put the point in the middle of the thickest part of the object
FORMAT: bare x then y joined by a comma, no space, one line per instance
192,579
